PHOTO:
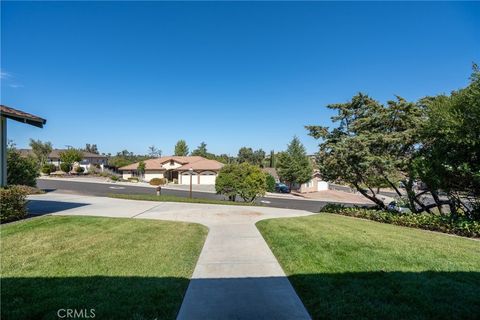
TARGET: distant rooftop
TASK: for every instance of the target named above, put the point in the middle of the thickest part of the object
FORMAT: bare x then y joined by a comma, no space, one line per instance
55,154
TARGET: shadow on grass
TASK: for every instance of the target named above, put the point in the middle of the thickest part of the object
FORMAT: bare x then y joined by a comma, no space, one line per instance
367,295
41,207
390,295
111,297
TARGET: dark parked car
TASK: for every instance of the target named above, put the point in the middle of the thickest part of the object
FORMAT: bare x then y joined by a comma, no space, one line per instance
282,188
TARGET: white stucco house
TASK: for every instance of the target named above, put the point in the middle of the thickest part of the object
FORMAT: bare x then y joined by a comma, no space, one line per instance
204,171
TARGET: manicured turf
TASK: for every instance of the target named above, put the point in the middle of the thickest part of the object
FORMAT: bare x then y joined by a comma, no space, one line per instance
343,267
122,268
168,198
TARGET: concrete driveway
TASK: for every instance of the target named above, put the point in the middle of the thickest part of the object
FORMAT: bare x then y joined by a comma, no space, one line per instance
236,276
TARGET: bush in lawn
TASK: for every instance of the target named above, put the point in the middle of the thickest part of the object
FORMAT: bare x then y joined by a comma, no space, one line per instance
79,169
435,222
270,183
158,181
133,179
13,204
21,170
48,168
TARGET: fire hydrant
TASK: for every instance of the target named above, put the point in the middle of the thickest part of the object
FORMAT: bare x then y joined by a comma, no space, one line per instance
159,190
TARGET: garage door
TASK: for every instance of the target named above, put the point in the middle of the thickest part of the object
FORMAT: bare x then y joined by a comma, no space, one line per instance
186,178
322,185
207,177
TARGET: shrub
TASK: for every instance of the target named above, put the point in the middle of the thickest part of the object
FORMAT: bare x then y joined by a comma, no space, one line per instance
79,169
21,170
435,222
48,168
114,178
93,170
244,180
13,204
175,181
270,183
65,167
158,181
133,179
28,189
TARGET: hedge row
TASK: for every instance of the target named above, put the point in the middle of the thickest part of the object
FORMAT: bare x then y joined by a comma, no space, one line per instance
434,222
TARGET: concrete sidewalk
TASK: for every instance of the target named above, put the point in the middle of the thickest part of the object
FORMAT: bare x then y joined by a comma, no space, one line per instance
236,277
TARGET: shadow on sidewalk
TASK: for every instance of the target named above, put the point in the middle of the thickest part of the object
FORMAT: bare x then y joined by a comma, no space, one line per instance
41,207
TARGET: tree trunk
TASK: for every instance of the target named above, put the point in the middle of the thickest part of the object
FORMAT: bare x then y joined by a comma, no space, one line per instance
373,198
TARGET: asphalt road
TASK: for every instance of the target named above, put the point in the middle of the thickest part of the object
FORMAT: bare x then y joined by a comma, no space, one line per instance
100,189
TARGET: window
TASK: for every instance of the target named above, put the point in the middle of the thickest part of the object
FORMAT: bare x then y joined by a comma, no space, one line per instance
172,162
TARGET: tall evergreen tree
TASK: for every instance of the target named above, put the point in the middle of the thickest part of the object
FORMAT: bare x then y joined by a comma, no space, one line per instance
272,159
201,150
181,148
293,165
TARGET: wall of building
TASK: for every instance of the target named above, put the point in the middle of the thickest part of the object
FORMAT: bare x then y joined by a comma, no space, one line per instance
314,185
150,174
171,165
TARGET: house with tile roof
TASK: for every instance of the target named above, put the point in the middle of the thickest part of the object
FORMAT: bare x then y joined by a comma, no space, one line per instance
179,168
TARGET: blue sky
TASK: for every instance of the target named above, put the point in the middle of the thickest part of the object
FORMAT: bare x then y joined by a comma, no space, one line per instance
128,75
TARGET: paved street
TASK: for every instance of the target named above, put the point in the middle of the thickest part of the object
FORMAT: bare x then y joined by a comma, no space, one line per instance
236,277
102,189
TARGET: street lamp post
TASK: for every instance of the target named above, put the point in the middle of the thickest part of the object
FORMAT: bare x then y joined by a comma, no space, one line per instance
191,173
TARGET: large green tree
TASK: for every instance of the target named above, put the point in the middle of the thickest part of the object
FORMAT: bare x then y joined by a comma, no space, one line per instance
450,157
244,180
372,145
249,155
181,148
41,150
70,156
201,150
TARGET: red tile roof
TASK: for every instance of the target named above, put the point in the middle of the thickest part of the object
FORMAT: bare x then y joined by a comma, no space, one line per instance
187,162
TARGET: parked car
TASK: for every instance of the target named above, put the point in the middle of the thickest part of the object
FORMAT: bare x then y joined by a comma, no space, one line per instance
394,206
282,188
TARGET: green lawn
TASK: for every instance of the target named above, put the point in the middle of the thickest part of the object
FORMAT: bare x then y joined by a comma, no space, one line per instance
343,267
169,198
123,268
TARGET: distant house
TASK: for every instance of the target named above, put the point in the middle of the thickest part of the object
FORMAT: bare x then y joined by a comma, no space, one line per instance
89,159
272,172
315,184
203,171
